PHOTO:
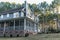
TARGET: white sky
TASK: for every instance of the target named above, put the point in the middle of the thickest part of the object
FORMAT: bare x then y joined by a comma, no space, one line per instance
29,1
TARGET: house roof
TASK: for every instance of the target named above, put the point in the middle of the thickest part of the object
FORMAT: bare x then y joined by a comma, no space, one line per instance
11,10
22,8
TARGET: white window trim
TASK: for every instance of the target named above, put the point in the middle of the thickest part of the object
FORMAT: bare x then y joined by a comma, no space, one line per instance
22,14
16,14
7,15
1,16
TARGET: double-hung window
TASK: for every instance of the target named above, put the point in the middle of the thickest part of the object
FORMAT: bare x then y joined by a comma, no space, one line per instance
11,15
5,16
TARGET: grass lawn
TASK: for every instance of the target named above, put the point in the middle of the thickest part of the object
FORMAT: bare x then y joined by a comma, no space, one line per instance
55,36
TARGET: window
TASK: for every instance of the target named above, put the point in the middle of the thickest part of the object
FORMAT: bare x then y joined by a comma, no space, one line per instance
27,23
7,23
16,22
21,22
12,23
1,16
2,24
22,14
16,14
11,15
5,16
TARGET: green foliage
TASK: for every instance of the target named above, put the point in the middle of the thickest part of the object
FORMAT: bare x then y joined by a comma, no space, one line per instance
42,8
7,6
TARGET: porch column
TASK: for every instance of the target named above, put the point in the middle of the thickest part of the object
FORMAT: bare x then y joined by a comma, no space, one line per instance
4,27
35,27
14,24
25,24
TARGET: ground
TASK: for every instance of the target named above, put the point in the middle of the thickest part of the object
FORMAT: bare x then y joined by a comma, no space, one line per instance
54,36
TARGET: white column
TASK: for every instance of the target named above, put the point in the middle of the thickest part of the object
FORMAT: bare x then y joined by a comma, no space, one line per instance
25,24
4,27
35,28
14,24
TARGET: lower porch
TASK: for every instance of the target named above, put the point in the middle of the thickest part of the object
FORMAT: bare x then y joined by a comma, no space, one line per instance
17,26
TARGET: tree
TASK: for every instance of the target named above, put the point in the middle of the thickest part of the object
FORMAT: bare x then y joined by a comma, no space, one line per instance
7,6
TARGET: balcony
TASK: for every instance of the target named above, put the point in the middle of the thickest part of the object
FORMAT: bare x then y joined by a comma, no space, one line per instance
11,16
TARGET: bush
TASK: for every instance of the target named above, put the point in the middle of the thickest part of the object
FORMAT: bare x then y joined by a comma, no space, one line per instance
52,30
26,34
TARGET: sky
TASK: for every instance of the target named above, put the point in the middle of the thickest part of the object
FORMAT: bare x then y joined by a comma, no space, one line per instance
29,1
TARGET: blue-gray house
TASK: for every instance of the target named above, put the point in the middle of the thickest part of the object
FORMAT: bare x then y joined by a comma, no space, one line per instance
18,21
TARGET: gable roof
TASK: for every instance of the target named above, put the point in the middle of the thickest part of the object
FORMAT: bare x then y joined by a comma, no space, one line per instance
22,8
11,10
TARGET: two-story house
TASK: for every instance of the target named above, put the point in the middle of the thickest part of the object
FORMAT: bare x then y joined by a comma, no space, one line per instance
16,22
